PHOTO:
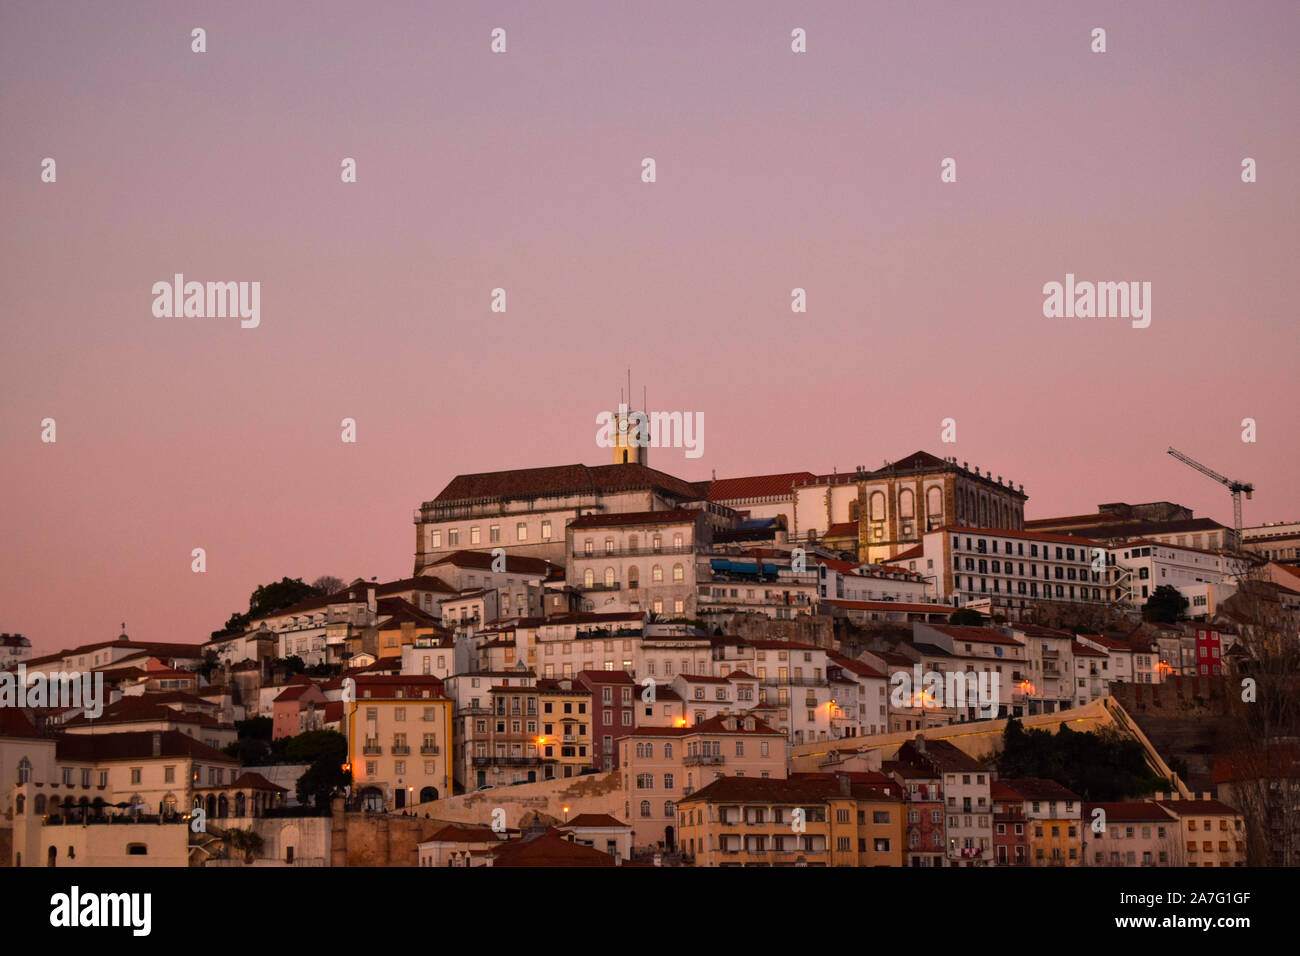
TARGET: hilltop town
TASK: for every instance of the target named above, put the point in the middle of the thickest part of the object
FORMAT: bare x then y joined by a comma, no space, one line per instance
611,666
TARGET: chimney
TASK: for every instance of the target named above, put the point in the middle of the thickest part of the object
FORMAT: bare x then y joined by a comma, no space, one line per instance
846,785
157,744
370,600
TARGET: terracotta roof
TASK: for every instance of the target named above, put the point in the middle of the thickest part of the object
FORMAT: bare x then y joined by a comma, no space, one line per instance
156,648
1038,788
857,667
702,679
559,480
550,848
1187,808
982,635
461,833
1083,650
136,745
15,723
142,709
916,551
606,677
758,486
253,780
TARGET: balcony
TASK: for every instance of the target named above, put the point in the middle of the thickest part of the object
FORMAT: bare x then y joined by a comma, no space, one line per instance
372,748
507,761
601,586
400,750
430,750
704,760
795,681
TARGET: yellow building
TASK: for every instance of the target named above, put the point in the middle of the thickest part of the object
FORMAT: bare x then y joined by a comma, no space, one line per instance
1210,833
565,725
845,819
399,740
1053,817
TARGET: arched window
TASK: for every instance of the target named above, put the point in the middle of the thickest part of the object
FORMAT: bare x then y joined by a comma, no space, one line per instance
934,506
631,544
678,572
906,504
241,804
20,804
39,803
633,579
24,771
609,577
668,750
609,545
645,811
589,578
877,506
853,511
668,808
656,573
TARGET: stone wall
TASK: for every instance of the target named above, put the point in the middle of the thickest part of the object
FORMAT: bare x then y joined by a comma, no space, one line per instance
388,839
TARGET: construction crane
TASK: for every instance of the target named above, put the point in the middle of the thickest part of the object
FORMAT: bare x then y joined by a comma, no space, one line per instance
1236,487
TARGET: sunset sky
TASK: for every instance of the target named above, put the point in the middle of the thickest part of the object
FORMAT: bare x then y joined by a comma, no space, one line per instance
522,171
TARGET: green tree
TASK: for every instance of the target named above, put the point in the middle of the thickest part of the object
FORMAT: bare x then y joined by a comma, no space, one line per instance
327,752
966,617
267,599
1165,605
1097,766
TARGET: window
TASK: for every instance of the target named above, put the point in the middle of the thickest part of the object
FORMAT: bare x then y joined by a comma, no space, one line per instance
521,531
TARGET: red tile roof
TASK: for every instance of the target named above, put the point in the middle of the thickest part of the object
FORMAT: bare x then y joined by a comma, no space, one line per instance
557,480
550,848
758,486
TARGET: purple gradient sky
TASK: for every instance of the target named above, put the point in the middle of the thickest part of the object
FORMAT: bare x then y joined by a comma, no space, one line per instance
522,171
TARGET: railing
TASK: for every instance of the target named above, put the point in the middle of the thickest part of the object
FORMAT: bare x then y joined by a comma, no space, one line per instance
508,761
372,750
430,750
400,749
708,760
796,681
600,586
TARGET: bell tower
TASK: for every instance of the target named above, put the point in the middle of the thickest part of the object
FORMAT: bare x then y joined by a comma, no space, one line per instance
630,441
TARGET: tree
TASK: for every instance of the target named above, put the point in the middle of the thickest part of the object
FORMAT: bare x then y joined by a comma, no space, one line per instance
267,599
966,617
1263,718
1098,767
327,752
328,584
244,842
1165,605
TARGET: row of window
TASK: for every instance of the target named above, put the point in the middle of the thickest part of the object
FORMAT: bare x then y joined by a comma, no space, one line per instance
476,534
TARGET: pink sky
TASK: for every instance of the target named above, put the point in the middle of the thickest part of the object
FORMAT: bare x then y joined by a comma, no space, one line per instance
521,170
